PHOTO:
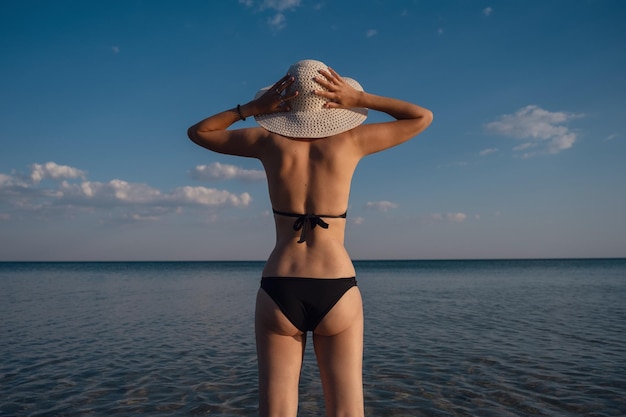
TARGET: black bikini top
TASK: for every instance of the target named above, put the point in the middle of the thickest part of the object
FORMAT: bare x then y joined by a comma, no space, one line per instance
313,220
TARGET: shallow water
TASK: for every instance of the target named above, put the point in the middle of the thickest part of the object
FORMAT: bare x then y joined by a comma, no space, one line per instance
442,338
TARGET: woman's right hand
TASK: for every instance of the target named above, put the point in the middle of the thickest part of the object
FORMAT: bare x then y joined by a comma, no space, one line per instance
273,100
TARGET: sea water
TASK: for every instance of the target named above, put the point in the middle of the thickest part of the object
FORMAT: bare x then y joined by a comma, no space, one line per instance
442,338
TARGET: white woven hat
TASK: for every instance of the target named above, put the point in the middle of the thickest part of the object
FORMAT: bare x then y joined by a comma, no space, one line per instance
307,117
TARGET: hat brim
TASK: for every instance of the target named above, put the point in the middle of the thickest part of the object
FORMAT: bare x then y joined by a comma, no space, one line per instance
317,123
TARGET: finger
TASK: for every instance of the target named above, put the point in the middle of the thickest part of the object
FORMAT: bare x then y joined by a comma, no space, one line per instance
291,96
332,76
323,93
323,82
327,75
283,80
334,73
282,106
278,83
288,81
283,83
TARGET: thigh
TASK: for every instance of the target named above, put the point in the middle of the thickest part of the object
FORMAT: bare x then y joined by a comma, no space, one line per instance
280,347
338,341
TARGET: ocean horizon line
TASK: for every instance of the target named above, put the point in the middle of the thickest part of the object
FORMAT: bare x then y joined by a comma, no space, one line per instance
354,260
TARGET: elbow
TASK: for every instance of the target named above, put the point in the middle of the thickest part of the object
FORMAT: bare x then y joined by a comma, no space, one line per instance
202,138
425,120
428,117
191,134
421,122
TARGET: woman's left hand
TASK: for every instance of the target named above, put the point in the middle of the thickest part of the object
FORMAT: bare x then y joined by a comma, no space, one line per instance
338,92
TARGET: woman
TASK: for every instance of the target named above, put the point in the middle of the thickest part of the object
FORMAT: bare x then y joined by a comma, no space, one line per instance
310,141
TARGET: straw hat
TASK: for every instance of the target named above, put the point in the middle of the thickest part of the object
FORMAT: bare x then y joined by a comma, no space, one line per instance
307,117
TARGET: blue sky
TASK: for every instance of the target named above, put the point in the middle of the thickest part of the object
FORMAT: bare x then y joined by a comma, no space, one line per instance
526,156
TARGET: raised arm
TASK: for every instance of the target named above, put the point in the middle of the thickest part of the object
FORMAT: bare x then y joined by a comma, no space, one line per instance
211,132
411,119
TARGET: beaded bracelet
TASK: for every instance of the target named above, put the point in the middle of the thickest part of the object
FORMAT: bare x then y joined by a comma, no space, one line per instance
239,111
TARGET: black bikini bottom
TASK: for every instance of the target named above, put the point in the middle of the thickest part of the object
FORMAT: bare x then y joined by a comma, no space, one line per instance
306,301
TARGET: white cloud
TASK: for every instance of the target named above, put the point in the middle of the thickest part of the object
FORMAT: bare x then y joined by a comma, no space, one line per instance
450,217
277,22
118,192
487,11
381,205
110,193
525,146
6,181
218,171
357,220
611,137
113,199
210,197
488,151
139,217
456,217
279,5
51,170
539,128
370,33
133,193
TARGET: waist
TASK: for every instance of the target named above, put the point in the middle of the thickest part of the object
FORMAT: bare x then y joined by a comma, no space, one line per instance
306,279
319,257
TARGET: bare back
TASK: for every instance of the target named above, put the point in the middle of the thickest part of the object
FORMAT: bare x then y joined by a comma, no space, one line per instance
311,176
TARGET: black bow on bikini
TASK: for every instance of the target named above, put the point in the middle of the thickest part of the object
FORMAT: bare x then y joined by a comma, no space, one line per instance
314,220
